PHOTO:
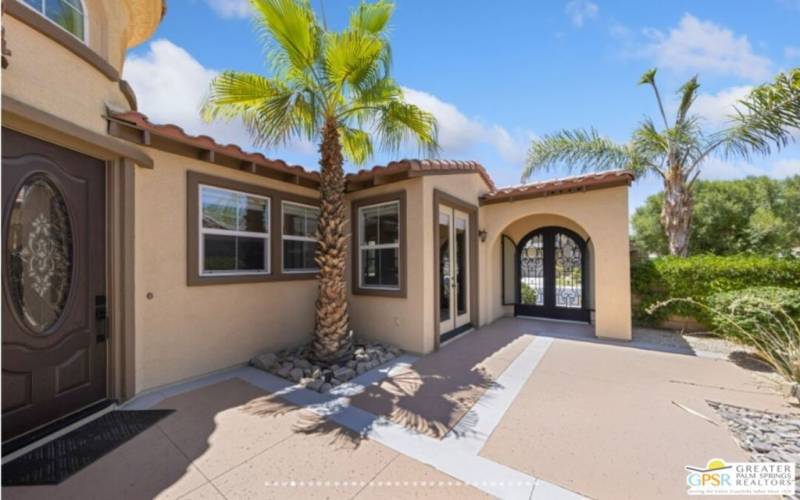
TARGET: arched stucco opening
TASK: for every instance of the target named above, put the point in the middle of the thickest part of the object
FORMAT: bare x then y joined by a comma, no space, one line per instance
503,303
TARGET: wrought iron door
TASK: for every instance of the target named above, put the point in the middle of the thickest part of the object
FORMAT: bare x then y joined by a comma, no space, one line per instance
551,271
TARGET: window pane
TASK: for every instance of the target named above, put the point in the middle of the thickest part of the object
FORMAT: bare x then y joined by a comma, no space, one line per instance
312,219
300,220
65,15
299,255
219,208
254,215
293,220
388,228
380,267
251,253
219,253
369,223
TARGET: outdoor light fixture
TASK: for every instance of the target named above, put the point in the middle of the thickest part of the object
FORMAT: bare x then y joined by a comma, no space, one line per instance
482,235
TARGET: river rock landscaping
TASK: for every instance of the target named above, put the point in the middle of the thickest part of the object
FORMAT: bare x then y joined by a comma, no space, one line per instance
294,365
768,437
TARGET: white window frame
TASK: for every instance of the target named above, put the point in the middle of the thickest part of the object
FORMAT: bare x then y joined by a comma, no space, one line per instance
266,236
363,246
291,237
84,15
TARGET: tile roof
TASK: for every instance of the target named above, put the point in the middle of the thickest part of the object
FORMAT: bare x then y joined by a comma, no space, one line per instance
395,170
421,167
608,178
176,133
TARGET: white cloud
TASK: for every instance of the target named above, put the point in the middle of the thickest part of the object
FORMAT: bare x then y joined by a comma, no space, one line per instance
231,9
171,86
786,168
791,52
459,134
717,108
716,169
696,45
580,11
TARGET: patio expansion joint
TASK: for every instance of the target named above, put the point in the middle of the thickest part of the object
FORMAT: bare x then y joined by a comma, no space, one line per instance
191,464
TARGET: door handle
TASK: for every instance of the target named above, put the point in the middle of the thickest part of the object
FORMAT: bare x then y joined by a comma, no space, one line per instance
101,318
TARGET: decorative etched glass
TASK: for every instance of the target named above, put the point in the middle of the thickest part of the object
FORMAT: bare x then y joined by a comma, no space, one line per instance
40,253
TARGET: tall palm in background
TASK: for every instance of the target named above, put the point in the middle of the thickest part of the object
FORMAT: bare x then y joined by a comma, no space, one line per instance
333,88
766,119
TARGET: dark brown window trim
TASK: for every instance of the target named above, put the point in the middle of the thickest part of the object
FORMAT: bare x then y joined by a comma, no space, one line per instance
442,198
399,196
193,276
47,28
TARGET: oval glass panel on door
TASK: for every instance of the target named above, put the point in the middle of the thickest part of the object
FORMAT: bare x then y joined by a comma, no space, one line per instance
39,253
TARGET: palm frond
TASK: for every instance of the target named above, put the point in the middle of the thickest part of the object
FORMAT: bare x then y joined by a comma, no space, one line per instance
688,93
398,122
769,117
356,144
293,29
352,57
577,150
233,91
371,17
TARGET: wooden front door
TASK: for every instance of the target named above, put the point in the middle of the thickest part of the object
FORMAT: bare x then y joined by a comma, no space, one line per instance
54,283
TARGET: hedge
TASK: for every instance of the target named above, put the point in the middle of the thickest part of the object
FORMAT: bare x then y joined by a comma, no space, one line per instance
699,277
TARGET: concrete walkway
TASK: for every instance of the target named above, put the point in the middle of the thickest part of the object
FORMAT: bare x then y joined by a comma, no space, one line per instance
518,409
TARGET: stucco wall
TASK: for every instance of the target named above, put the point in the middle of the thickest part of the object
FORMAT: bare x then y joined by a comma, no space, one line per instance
187,331
48,76
601,215
396,320
467,188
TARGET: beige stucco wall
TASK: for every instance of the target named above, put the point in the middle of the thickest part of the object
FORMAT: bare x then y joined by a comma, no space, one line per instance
467,188
396,320
601,215
48,76
187,331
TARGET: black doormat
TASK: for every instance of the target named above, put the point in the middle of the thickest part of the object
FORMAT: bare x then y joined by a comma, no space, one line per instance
57,460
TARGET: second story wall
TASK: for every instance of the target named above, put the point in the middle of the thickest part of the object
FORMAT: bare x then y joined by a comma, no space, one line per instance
55,71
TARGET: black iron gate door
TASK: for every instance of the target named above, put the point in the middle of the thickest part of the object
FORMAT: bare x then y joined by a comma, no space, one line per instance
551,270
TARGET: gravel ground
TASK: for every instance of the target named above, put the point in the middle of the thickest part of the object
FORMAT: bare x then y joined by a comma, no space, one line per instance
768,437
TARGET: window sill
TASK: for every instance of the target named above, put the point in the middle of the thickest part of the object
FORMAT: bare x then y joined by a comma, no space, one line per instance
238,279
399,293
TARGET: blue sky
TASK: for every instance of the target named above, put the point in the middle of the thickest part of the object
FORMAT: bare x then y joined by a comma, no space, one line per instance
498,74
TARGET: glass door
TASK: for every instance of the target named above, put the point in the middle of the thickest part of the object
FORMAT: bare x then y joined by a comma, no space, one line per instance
454,307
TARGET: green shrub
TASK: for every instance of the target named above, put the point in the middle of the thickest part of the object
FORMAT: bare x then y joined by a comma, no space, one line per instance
753,307
527,294
658,280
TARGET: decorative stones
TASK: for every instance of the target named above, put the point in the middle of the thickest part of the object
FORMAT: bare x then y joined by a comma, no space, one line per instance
295,365
769,437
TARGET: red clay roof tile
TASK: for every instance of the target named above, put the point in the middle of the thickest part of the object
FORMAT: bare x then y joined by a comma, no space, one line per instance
412,166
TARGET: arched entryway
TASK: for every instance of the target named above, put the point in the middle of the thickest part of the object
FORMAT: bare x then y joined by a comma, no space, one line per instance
552,275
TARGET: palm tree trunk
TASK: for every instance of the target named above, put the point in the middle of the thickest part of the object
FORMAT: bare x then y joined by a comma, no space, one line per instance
332,341
676,212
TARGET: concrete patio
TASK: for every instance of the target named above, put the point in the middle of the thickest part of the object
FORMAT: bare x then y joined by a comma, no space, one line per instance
519,409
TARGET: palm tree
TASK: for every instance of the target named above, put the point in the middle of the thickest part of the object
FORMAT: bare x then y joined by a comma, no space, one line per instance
333,88
677,151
